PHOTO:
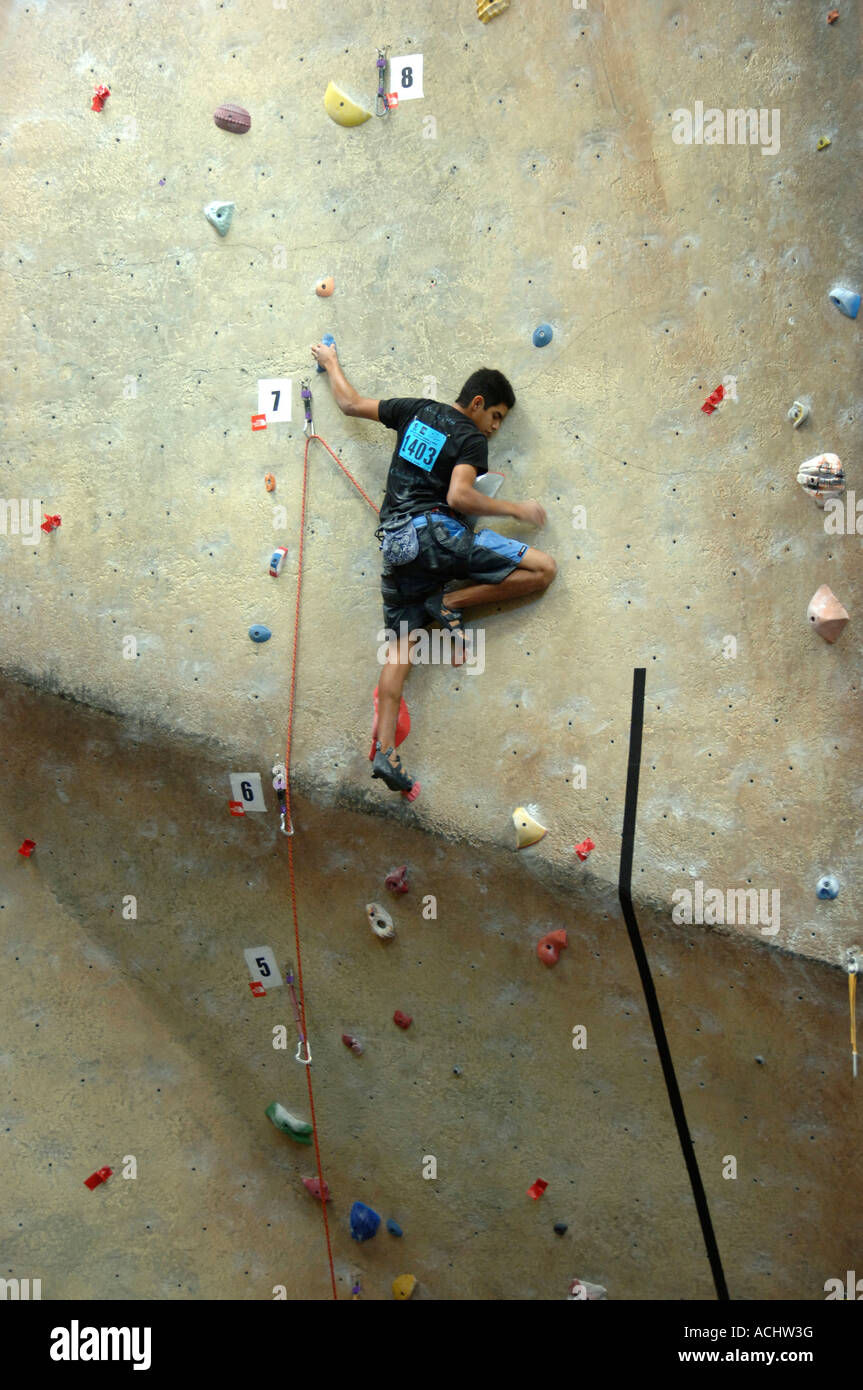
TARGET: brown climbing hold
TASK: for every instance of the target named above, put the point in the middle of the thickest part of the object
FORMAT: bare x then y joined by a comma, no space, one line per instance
228,116
403,1020
826,613
528,831
325,287
550,947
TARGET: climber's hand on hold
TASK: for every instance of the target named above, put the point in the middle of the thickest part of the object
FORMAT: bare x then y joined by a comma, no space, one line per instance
325,355
530,512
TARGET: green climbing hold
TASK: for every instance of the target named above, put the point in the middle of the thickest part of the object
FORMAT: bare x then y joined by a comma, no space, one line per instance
289,1124
220,215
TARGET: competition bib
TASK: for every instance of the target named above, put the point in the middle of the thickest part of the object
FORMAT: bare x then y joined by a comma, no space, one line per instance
422,445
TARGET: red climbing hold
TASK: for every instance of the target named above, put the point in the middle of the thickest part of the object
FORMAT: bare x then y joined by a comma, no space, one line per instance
583,850
550,947
403,1020
50,523
27,848
313,1185
102,94
95,1179
353,1043
537,1189
397,880
713,400
403,728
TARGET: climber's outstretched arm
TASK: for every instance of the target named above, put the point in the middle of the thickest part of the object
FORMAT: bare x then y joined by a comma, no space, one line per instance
349,401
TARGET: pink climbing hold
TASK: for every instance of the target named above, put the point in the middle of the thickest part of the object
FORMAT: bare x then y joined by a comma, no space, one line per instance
397,881
313,1185
550,947
353,1043
583,850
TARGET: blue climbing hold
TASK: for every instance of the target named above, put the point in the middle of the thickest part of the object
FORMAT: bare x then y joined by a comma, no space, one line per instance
259,633
543,335
827,886
364,1222
846,300
328,341
394,1228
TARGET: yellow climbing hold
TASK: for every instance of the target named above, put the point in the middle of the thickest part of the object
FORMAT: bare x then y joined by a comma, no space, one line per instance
528,830
823,142
404,1286
341,109
487,9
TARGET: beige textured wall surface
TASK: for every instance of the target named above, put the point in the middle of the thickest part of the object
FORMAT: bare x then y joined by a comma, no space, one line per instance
133,338
141,1037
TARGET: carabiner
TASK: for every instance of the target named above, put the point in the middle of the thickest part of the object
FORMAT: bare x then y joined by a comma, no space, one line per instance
307,1060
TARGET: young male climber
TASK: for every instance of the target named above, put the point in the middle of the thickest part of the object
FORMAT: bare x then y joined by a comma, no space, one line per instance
426,531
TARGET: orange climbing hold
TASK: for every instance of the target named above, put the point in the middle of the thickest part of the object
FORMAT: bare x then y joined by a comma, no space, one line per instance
550,947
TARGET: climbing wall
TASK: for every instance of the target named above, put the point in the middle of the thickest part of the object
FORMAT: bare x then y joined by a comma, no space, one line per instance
542,181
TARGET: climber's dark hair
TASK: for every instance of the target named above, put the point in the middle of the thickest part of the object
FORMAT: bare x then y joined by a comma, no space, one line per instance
492,386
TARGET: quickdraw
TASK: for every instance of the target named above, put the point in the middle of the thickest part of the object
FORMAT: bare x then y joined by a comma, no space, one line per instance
306,393
380,99
303,1042
280,783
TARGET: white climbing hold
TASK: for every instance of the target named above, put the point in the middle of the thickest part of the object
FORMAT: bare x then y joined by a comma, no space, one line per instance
581,1291
380,921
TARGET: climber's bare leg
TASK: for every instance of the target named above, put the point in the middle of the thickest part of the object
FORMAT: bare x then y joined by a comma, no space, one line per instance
534,573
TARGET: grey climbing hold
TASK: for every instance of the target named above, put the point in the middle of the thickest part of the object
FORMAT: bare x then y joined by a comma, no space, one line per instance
827,886
543,335
847,301
220,215
259,633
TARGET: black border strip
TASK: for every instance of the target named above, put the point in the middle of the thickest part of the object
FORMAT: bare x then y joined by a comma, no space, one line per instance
624,890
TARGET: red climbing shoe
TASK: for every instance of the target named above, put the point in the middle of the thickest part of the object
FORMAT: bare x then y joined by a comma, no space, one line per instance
403,725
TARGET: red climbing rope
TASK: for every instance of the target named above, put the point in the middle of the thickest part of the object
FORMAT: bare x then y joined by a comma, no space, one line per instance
289,821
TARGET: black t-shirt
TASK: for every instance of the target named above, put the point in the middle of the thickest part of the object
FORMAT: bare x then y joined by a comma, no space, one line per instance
432,439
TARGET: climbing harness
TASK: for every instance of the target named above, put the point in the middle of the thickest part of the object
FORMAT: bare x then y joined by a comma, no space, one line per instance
303,1042
380,99
853,968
